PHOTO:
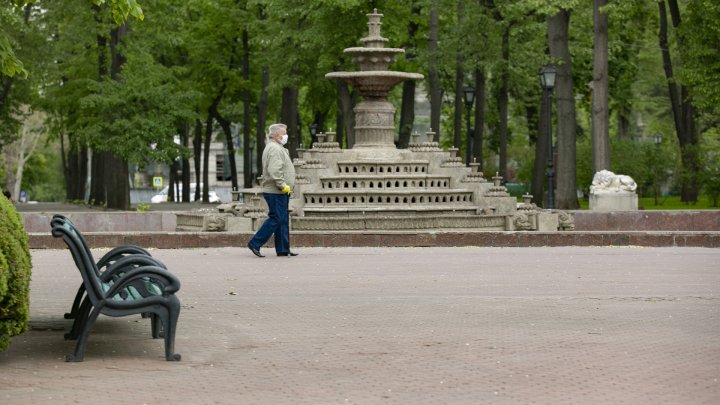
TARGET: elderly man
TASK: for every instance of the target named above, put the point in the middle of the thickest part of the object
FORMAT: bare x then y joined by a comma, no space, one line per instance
278,180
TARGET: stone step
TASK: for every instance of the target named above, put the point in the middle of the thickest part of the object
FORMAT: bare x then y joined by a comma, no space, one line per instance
378,167
385,181
387,196
399,222
395,210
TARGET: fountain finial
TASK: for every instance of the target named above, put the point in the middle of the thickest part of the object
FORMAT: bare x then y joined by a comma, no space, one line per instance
374,39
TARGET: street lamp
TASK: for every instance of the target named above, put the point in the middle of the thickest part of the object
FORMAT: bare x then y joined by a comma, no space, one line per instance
547,81
469,95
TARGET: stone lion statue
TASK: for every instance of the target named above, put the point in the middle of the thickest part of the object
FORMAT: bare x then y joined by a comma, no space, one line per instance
607,181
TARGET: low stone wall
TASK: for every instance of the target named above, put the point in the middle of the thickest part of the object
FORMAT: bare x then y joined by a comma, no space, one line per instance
158,230
694,221
177,240
111,221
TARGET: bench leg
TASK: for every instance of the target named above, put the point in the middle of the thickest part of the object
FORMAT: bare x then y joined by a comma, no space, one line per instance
80,320
79,354
76,303
170,325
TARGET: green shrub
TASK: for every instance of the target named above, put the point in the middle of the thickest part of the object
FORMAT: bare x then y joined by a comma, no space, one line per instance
15,268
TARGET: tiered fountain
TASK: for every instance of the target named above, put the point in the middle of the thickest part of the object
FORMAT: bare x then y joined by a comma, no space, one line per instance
374,115
376,186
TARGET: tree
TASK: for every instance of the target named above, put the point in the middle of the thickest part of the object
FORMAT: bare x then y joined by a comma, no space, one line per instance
17,154
600,115
10,64
566,195
682,107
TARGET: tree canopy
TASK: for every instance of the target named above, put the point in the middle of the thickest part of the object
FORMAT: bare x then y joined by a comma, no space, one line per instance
127,77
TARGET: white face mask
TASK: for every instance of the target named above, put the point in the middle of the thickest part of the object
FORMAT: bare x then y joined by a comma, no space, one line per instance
284,139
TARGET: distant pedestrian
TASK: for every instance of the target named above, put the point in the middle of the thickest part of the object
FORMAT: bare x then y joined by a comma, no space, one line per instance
278,181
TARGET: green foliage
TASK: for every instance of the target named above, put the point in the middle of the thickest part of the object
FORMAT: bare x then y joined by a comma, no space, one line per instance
700,33
710,174
43,176
180,56
15,270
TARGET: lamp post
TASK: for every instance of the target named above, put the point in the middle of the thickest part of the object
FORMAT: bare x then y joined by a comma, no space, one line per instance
469,95
313,132
547,81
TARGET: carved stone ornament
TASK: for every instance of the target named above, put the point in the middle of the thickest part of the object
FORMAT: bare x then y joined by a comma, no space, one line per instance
566,221
522,221
216,223
606,181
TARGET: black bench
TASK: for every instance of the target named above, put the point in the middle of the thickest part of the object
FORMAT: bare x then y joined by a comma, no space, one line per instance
132,284
103,264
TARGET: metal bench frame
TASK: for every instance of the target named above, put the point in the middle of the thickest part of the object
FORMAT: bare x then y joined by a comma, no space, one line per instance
133,284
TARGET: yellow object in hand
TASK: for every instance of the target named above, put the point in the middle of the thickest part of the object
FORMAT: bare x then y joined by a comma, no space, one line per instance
286,190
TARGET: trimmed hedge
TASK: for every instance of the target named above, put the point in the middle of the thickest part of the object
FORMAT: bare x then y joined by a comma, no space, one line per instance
15,269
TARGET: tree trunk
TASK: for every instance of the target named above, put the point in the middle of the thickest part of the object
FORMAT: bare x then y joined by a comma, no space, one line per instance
339,120
319,120
435,85
458,105
600,115
260,127
683,111
247,119
185,140
537,186
479,117
459,84
230,143
503,103
407,108
623,121
116,175
96,174
289,117
347,100
197,155
75,170
558,37
407,114
206,159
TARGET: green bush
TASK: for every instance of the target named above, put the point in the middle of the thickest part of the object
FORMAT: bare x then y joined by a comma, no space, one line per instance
15,268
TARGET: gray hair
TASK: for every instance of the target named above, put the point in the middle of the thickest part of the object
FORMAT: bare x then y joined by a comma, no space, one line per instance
273,131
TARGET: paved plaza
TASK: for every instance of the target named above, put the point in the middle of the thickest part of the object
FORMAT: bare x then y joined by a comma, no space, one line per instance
465,325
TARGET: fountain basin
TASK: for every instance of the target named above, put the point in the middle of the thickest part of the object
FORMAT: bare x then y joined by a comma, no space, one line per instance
374,83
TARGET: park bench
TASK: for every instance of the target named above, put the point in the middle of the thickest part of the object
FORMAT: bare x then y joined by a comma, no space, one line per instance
109,259
131,284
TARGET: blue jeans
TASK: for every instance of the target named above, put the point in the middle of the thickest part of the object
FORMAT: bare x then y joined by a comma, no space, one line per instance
277,223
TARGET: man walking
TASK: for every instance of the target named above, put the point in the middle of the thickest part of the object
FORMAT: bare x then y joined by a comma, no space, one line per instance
278,180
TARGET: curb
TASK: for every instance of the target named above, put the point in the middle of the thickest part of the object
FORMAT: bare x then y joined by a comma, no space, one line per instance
181,240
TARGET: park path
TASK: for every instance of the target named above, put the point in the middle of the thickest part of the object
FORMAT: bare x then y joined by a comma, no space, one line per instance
474,325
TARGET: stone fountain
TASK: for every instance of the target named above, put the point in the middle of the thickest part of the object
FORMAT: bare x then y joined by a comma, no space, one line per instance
374,185
374,115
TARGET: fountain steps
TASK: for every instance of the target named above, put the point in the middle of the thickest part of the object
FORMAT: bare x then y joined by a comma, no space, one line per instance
398,222
395,210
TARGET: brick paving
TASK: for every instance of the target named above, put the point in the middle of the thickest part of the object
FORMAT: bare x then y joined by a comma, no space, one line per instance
472,325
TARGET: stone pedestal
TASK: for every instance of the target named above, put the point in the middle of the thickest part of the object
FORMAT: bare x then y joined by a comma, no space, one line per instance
613,201
547,222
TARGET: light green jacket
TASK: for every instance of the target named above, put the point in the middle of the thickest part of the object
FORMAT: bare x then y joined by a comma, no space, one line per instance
278,169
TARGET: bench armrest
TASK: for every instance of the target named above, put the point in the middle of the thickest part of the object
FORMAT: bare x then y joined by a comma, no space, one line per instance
165,280
128,263
120,252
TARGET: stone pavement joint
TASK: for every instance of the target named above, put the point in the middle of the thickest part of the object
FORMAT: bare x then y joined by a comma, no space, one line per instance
577,325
